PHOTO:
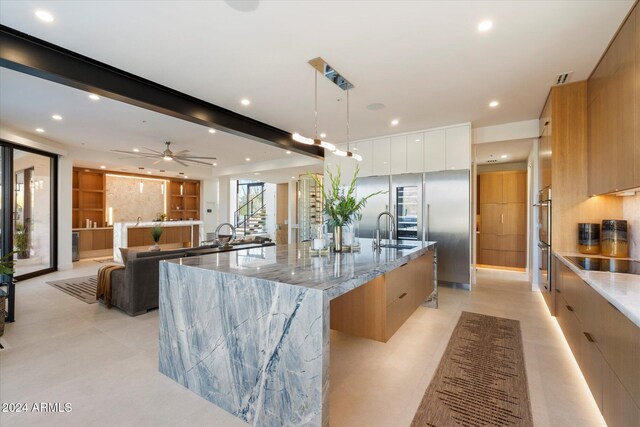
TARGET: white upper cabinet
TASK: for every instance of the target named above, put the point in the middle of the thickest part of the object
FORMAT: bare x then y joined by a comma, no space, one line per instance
365,150
458,147
381,157
434,150
415,153
398,155
347,166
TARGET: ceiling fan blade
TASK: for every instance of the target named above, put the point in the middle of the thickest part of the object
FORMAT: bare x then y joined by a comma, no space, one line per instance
180,162
157,161
198,157
197,162
178,153
153,151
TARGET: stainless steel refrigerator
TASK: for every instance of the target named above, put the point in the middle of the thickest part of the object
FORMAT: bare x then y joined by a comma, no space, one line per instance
447,203
375,205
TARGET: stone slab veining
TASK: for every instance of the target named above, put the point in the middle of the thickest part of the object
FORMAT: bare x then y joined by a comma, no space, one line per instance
249,330
620,289
121,236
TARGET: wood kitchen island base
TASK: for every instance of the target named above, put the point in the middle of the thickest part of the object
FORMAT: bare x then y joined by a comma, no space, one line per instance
379,308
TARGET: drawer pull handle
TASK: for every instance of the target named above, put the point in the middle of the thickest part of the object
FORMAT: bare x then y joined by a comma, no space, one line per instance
402,296
558,291
569,308
404,264
589,337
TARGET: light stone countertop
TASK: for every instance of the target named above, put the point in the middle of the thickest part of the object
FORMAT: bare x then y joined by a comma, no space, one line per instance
134,224
620,289
335,273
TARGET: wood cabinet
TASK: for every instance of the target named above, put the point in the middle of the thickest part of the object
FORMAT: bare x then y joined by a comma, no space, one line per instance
95,242
606,345
88,199
183,200
614,114
503,219
377,309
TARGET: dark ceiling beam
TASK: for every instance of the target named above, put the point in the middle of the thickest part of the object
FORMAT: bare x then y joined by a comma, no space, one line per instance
30,55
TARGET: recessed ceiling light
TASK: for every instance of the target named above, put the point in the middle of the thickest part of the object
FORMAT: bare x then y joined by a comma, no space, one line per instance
212,131
186,176
293,177
39,130
256,173
485,25
245,101
44,16
494,104
248,159
56,117
323,135
148,172
504,156
288,152
94,97
136,150
103,167
215,164
418,140
394,122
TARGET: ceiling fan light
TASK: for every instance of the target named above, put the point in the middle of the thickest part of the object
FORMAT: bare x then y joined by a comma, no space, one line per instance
301,139
167,158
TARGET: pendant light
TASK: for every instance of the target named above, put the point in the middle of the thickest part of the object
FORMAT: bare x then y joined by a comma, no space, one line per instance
315,141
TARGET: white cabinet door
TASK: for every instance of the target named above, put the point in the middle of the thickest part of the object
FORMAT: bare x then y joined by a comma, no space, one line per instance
381,156
458,147
434,150
366,165
347,166
415,153
398,155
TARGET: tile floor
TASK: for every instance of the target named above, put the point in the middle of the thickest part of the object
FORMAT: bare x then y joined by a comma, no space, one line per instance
105,363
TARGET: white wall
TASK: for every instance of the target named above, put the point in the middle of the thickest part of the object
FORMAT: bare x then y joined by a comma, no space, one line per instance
293,219
223,199
209,201
270,208
533,261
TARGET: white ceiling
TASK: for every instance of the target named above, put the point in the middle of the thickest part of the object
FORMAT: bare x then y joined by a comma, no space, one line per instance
425,61
28,103
516,151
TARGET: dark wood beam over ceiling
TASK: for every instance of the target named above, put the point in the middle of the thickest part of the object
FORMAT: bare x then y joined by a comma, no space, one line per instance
30,55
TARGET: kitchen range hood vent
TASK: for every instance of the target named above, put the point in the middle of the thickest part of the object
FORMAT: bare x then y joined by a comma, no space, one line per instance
562,78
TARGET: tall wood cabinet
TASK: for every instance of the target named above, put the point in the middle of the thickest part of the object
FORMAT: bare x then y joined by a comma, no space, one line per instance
503,219
614,113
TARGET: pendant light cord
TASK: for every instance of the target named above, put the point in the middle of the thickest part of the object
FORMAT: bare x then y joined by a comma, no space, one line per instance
348,120
315,73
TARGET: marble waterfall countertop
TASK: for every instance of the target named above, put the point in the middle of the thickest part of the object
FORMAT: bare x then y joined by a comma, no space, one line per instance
121,236
620,289
249,330
334,273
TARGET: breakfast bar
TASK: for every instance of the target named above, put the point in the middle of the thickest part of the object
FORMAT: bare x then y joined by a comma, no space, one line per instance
249,330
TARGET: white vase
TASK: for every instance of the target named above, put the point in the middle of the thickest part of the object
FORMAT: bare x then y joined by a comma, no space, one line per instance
154,248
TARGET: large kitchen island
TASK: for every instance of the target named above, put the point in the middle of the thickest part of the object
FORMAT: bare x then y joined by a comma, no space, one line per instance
249,330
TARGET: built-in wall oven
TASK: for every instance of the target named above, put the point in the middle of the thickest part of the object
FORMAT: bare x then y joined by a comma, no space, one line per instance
544,237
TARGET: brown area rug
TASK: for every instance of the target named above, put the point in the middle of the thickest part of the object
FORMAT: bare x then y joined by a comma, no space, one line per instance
83,288
481,378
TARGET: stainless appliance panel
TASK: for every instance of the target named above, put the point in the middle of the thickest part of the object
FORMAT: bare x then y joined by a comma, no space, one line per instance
447,204
374,206
407,207
545,266
544,216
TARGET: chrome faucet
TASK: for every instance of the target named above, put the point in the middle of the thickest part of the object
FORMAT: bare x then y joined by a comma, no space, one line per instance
376,241
233,232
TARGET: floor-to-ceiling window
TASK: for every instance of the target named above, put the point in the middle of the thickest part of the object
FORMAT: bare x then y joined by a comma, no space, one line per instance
28,204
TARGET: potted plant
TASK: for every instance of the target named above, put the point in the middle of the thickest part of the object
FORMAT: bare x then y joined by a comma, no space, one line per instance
156,232
21,241
340,206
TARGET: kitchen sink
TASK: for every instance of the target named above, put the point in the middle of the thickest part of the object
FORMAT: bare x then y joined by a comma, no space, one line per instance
397,246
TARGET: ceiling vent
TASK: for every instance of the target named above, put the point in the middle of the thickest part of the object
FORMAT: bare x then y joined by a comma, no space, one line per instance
562,78
492,161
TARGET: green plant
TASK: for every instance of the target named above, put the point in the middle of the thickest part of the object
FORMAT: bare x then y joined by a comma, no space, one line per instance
340,205
156,232
21,239
6,264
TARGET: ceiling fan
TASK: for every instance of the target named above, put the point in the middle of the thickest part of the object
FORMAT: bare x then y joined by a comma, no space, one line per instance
167,155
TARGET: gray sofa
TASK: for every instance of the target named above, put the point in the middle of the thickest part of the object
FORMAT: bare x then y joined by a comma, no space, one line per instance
136,288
